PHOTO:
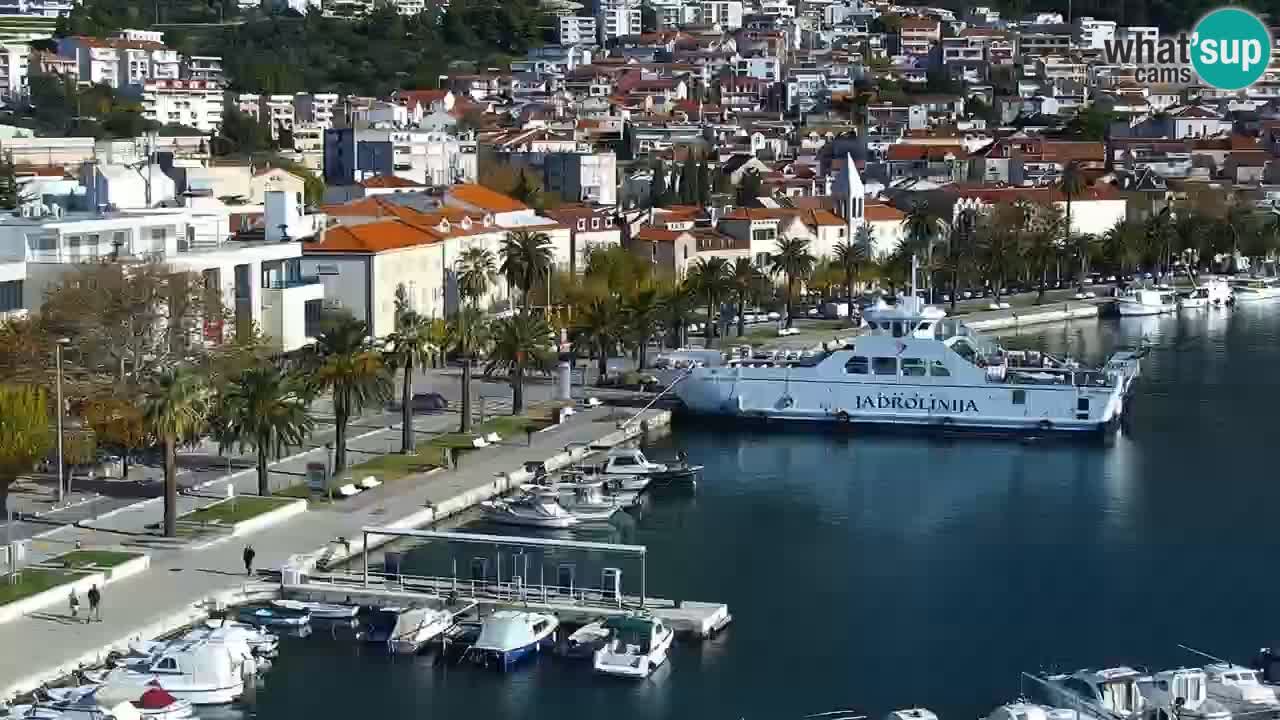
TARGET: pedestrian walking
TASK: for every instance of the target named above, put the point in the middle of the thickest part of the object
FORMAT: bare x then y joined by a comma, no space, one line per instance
248,559
95,604
74,602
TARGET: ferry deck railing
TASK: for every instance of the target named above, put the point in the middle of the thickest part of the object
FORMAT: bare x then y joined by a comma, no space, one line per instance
514,590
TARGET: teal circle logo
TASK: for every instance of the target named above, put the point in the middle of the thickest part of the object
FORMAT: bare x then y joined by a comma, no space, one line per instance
1231,48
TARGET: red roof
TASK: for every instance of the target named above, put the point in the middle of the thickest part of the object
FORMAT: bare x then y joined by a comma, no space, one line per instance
879,212
1009,193
653,234
485,199
389,181
908,151
372,237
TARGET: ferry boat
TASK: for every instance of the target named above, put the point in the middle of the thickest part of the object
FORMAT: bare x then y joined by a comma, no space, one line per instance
918,368
1145,301
1253,289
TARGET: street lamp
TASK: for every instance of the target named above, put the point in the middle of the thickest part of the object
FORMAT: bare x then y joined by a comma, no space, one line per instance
61,343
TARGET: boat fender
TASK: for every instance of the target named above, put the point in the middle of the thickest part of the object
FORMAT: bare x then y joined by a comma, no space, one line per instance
1046,425
946,422
843,416
785,402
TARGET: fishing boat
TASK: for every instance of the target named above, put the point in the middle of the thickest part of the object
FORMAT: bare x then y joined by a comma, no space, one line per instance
271,615
916,368
1110,694
508,636
319,610
1182,693
631,461
1254,289
584,641
1240,689
539,512
1216,292
637,646
204,672
1146,301
405,630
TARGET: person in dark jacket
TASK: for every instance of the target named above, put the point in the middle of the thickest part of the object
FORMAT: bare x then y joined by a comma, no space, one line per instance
248,559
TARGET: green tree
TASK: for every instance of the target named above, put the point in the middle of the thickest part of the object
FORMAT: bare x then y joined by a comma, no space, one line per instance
407,348
689,180
10,197
749,188
1072,186
1122,245
1041,242
176,410
850,256
521,343
627,143
466,335
658,186
344,363
794,260
710,279
598,328
526,257
525,190
476,271
25,435
920,225
678,302
998,245
745,280
265,409
118,423
960,249
1160,239
642,311
704,184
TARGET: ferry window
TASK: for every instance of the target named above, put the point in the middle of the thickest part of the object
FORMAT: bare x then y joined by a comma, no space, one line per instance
939,369
884,365
897,329
1019,397
857,365
167,664
1082,405
913,367
871,324
924,326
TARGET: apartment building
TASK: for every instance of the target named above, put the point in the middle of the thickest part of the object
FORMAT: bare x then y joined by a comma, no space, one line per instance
917,35
1095,34
129,59
581,176
194,103
277,111
37,8
14,68
617,18
725,13
315,109
48,63
577,30
427,158
203,67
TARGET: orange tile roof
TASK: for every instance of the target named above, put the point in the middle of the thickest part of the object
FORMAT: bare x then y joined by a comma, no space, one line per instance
822,217
374,237
879,212
388,181
374,207
653,234
760,214
485,199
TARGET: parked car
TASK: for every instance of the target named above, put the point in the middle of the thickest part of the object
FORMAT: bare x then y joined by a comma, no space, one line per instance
429,402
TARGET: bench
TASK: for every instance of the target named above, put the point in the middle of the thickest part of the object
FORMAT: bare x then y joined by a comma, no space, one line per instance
479,442
493,437
370,483
348,490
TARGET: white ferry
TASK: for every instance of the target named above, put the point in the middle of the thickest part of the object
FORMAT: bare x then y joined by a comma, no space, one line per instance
918,368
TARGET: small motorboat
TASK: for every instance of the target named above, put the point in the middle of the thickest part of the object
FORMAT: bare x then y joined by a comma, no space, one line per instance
540,512
1098,694
584,641
1145,301
637,646
1031,711
203,672
85,708
631,461
405,630
1240,689
1182,693
86,702
508,636
262,642
319,610
270,615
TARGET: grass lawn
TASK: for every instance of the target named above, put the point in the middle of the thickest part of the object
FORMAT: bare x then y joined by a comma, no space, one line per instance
231,511
36,579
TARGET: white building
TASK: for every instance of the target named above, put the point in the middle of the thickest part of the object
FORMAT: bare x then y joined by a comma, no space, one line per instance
126,187
203,67
194,103
617,18
425,157
577,30
37,8
582,176
277,112
725,13
131,58
1095,34
14,70
672,14
315,108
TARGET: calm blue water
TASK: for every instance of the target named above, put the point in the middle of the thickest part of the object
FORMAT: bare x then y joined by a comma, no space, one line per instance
884,572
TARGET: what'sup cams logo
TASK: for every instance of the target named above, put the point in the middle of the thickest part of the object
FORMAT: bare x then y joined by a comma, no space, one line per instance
1229,48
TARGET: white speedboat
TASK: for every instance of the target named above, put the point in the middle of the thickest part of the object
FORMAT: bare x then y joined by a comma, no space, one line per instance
90,709
917,368
1111,694
1146,301
405,630
1031,711
508,636
637,646
261,641
84,702
585,641
631,461
1240,689
270,615
204,672
1215,292
1182,693
540,512
319,610
912,714
1254,289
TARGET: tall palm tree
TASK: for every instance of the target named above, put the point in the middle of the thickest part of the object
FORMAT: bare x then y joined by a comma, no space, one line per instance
1122,245
599,327
960,249
345,363
710,278
795,261
1072,185
526,256
476,270
520,343
643,310
998,245
409,347
175,410
1160,239
745,280
265,409
1040,242
850,256
920,225
466,336
678,303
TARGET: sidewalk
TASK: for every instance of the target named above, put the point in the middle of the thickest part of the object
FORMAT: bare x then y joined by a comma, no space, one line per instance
181,577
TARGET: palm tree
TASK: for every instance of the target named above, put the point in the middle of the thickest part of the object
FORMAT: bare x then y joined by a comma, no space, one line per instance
476,271
998,245
599,327
263,408
710,278
345,363
849,257
795,261
745,281
642,311
466,334
678,303
1121,245
520,343
1040,242
919,226
1160,236
408,347
1072,186
526,256
960,249
175,410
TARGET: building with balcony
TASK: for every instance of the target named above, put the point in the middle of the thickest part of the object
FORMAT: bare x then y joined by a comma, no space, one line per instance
277,111
316,109
427,158
583,176
1095,34
14,67
617,18
725,13
577,30
194,103
203,67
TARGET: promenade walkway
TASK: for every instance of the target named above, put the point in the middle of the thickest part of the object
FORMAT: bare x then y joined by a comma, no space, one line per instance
181,577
